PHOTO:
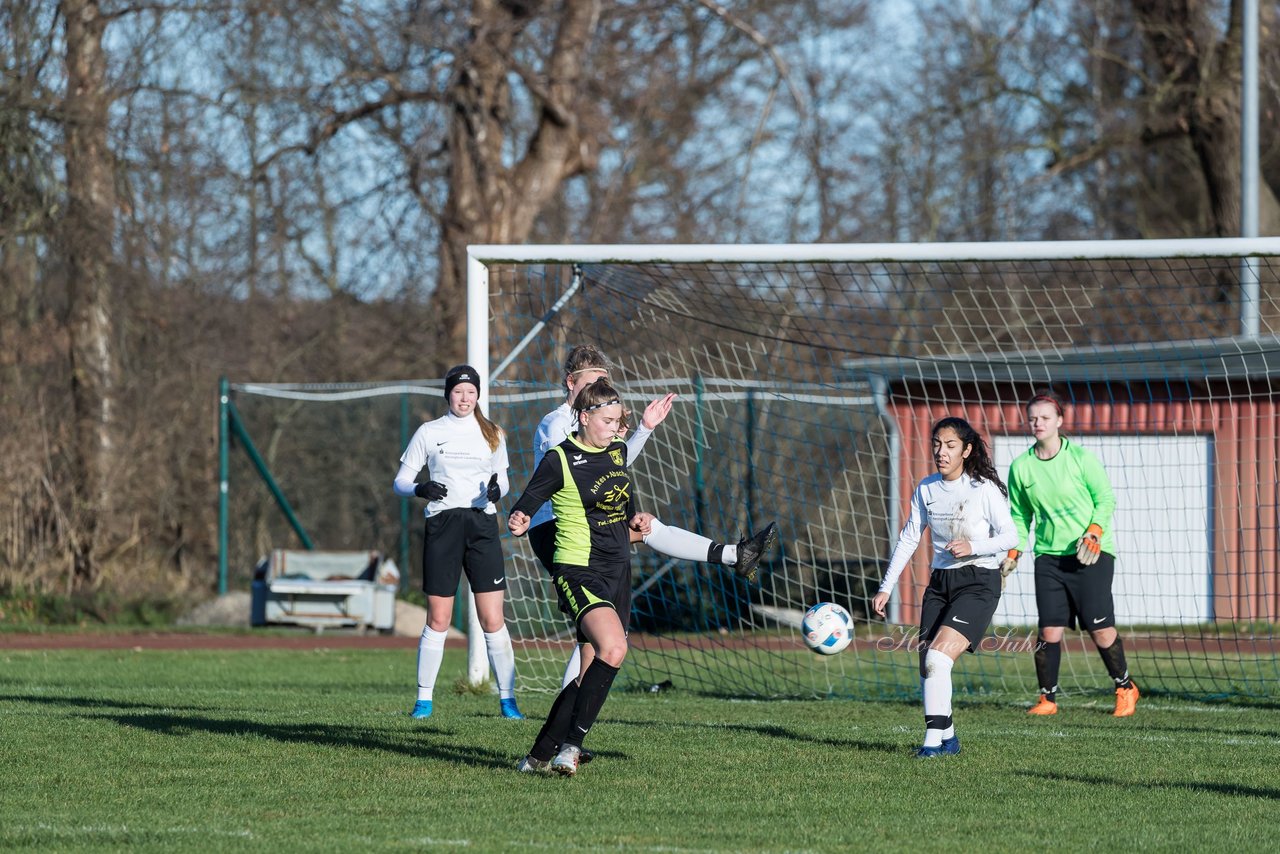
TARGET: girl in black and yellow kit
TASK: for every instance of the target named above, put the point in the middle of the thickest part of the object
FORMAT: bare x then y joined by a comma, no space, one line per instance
585,478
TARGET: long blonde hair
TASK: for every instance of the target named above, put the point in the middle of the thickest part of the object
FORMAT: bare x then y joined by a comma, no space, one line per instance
492,432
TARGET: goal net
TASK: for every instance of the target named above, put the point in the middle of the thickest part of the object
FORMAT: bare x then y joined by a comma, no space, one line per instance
808,380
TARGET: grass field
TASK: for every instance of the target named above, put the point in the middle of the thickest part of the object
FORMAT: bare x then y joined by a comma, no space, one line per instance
314,751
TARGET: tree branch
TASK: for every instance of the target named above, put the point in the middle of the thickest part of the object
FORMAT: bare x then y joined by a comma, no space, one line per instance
555,110
784,71
336,121
161,8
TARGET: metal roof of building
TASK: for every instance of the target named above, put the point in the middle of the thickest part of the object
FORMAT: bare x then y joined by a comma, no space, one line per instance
1165,361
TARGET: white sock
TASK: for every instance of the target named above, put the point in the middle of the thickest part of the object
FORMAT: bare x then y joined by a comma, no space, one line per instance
503,661
679,543
936,687
573,667
730,554
430,654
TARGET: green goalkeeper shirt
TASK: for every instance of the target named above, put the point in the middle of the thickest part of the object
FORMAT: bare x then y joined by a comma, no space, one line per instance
1065,495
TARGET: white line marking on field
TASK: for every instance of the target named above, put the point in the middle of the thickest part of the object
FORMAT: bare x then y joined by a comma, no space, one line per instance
1232,740
101,829
1147,705
427,840
661,849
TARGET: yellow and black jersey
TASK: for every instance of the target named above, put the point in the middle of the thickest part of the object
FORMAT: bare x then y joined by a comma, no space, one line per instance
590,492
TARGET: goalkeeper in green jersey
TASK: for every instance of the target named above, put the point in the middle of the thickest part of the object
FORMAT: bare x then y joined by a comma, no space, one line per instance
1063,489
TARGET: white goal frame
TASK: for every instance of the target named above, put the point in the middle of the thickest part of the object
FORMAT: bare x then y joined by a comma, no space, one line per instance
481,256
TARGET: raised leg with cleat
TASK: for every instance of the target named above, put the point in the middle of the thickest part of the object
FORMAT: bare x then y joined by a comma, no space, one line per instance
753,548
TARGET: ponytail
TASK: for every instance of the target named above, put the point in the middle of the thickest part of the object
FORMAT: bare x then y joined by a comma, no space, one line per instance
492,432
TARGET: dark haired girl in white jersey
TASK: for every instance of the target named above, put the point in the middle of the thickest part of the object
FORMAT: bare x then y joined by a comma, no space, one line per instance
965,506
464,457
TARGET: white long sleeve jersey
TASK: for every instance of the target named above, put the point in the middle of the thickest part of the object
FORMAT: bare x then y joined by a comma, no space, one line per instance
959,509
553,429
458,456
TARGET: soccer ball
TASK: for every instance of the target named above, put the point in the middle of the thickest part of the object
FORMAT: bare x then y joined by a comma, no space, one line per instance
826,628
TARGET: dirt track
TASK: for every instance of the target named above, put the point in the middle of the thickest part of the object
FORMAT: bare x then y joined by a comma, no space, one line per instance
1182,645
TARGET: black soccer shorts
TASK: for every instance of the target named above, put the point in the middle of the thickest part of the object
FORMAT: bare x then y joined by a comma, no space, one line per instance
964,598
582,589
458,540
1071,595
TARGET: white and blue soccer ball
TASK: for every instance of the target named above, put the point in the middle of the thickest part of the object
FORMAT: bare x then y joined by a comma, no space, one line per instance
826,628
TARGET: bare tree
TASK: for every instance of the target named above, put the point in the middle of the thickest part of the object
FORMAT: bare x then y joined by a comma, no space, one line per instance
491,200
1196,96
87,235
284,190
494,109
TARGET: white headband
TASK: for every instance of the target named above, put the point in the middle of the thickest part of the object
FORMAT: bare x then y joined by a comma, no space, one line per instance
602,403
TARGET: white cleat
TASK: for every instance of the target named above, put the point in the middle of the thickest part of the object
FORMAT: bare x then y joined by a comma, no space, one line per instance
529,765
566,761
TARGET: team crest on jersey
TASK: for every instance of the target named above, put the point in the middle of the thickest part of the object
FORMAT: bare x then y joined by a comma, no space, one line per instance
616,456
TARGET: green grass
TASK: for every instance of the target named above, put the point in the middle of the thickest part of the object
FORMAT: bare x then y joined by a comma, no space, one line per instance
314,751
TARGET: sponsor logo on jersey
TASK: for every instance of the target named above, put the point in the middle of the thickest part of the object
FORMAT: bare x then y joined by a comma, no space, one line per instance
578,459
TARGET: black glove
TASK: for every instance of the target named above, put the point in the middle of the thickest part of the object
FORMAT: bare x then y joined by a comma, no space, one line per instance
431,490
493,492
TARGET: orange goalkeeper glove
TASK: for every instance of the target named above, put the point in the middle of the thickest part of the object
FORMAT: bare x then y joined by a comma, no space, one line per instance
1090,546
1008,565
1010,562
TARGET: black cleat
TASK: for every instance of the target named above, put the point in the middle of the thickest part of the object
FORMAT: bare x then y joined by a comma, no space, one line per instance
752,549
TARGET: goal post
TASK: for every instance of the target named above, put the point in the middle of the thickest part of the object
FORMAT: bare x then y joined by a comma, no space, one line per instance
808,377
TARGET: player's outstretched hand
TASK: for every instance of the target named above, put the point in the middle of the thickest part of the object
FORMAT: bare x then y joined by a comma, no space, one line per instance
431,490
493,492
878,603
518,523
657,411
1090,546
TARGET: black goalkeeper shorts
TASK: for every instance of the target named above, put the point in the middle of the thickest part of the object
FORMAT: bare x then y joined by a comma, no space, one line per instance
1071,595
